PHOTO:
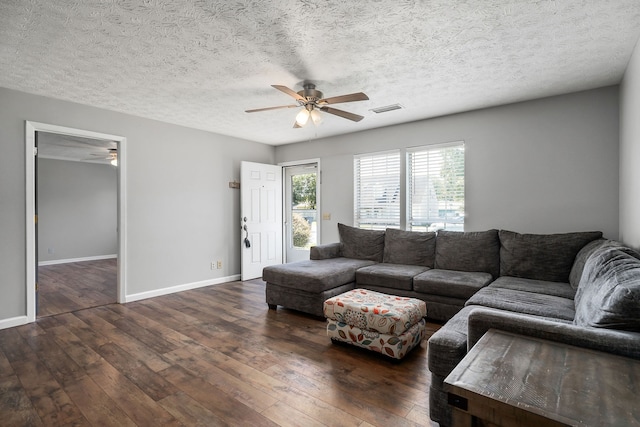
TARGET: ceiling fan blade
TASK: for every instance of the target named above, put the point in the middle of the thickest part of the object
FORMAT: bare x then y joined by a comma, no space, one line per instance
344,114
359,96
270,108
289,92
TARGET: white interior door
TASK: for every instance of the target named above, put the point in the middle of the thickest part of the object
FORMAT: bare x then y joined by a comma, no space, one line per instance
261,217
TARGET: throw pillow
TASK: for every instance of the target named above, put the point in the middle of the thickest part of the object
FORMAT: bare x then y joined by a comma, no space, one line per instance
588,250
468,251
409,247
358,243
546,257
609,291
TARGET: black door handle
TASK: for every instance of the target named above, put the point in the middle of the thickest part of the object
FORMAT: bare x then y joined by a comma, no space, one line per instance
247,243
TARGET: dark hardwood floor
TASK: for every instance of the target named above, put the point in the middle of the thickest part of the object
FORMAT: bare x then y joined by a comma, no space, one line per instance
211,356
63,288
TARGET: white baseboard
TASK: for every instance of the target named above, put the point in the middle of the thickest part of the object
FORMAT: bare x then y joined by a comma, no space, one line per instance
66,261
13,321
180,288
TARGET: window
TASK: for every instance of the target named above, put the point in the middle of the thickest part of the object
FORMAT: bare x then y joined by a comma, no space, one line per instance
435,198
377,190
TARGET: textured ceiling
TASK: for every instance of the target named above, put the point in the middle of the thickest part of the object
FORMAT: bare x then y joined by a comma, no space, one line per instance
201,63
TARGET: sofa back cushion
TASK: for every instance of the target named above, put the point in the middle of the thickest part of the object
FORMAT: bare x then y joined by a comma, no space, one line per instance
541,256
581,259
468,251
409,247
589,249
608,295
358,243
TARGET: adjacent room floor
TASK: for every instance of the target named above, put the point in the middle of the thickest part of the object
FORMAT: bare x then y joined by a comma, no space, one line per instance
63,288
210,356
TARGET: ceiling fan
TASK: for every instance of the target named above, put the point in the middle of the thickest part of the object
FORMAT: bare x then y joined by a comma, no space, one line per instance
312,102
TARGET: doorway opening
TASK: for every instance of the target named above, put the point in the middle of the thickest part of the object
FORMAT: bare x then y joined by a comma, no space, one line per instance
61,263
76,232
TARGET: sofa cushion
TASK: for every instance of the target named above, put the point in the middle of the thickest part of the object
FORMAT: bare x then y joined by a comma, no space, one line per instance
326,251
590,248
546,257
580,259
609,292
451,283
468,251
524,302
557,289
396,276
359,243
409,247
314,275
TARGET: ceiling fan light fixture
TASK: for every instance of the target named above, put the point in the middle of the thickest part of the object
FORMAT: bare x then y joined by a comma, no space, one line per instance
302,117
312,102
316,117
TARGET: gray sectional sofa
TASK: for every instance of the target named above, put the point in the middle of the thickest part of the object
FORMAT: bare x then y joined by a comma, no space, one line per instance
576,288
444,270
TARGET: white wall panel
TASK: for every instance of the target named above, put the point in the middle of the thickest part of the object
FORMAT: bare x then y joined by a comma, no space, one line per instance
630,153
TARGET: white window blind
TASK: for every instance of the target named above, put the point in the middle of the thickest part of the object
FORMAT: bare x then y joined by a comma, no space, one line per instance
377,190
436,187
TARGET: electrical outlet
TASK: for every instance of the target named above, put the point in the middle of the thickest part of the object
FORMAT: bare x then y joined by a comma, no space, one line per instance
213,265
219,264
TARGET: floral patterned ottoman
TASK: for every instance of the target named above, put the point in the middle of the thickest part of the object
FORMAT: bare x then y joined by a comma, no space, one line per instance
386,324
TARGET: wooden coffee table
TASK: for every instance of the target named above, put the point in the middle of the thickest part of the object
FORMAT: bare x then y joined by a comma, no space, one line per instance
513,380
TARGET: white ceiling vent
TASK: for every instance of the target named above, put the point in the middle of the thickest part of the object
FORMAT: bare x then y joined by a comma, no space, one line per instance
387,108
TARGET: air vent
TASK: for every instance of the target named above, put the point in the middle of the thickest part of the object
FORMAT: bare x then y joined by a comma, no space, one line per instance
387,108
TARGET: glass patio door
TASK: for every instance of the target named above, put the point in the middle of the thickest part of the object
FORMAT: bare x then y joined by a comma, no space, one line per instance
301,210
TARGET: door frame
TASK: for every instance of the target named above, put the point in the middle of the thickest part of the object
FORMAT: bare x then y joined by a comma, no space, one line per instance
318,201
31,128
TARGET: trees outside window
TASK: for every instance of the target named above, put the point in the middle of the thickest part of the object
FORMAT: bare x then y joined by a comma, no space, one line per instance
303,216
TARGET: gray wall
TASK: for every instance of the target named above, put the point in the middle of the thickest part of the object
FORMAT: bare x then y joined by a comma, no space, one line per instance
181,212
543,166
630,153
77,210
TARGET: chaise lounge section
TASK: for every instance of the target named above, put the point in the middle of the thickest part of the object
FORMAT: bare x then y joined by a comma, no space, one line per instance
306,285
